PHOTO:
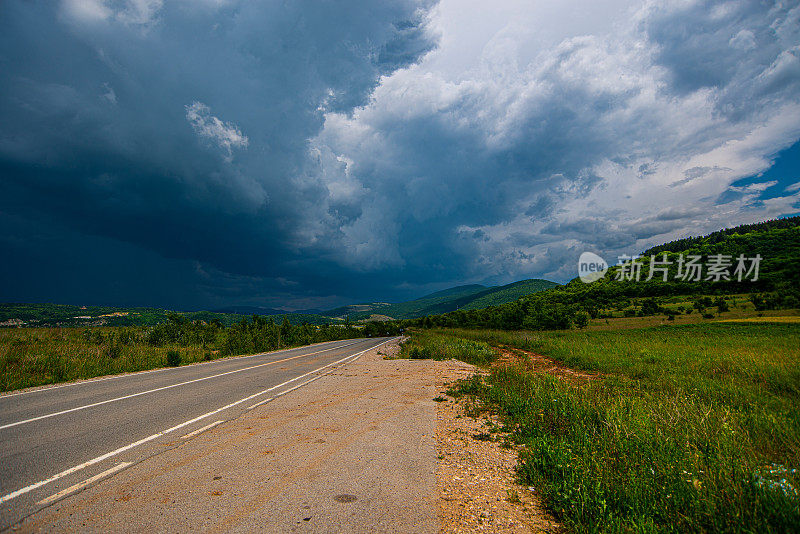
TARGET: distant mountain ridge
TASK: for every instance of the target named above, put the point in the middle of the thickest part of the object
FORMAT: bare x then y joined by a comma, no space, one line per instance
776,243
261,310
465,297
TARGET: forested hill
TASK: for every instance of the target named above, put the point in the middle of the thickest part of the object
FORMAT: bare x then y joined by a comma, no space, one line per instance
456,298
777,285
702,243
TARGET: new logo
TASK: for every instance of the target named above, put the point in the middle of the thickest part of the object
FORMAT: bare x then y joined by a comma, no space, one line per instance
591,267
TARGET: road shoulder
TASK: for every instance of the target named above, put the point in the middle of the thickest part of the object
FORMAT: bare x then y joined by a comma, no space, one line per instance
478,490
354,451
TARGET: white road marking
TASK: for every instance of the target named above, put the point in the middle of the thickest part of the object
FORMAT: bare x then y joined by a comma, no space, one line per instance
201,430
256,405
137,373
93,461
62,412
282,393
80,485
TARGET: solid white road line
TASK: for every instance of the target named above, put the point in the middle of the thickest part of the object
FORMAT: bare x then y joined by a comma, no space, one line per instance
80,485
93,461
282,393
62,412
201,430
137,373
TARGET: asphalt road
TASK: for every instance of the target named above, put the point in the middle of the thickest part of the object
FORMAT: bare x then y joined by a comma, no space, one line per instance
53,439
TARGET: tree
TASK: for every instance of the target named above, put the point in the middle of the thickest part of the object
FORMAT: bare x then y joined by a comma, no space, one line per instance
286,332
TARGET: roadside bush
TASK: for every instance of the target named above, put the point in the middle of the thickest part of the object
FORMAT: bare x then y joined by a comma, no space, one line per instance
649,307
173,358
113,349
418,353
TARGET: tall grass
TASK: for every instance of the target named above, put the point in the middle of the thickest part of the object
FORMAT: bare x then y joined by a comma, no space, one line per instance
36,356
439,346
692,428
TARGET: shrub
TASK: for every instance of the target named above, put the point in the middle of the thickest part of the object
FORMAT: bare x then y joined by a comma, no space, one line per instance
173,358
114,349
419,353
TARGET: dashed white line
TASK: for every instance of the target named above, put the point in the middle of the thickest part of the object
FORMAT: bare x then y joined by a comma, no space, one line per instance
120,450
107,401
80,485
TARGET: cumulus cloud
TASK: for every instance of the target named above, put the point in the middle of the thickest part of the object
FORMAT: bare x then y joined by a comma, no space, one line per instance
226,135
579,147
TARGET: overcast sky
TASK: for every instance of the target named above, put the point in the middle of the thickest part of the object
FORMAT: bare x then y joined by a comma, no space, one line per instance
200,153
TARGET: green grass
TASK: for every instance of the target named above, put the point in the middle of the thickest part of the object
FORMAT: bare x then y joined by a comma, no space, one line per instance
37,356
439,346
688,428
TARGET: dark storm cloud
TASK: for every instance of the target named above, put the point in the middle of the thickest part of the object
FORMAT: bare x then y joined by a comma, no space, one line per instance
313,153
182,128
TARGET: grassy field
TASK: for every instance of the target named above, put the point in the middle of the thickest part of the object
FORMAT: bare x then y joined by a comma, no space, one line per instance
740,308
36,356
690,427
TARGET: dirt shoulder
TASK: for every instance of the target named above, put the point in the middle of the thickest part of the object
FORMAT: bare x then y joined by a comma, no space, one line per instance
475,475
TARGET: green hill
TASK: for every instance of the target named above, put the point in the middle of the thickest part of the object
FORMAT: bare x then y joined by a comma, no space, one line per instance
465,297
502,294
778,284
460,297
441,300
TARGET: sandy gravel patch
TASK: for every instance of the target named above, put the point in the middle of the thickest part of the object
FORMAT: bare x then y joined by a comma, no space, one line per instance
475,474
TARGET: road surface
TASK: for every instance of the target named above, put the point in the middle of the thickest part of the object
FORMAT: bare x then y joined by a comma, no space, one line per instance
56,441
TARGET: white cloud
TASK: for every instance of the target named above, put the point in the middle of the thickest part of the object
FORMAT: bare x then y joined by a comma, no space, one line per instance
86,10
226,135
109,95
508,153
744,40
129,12
139,12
